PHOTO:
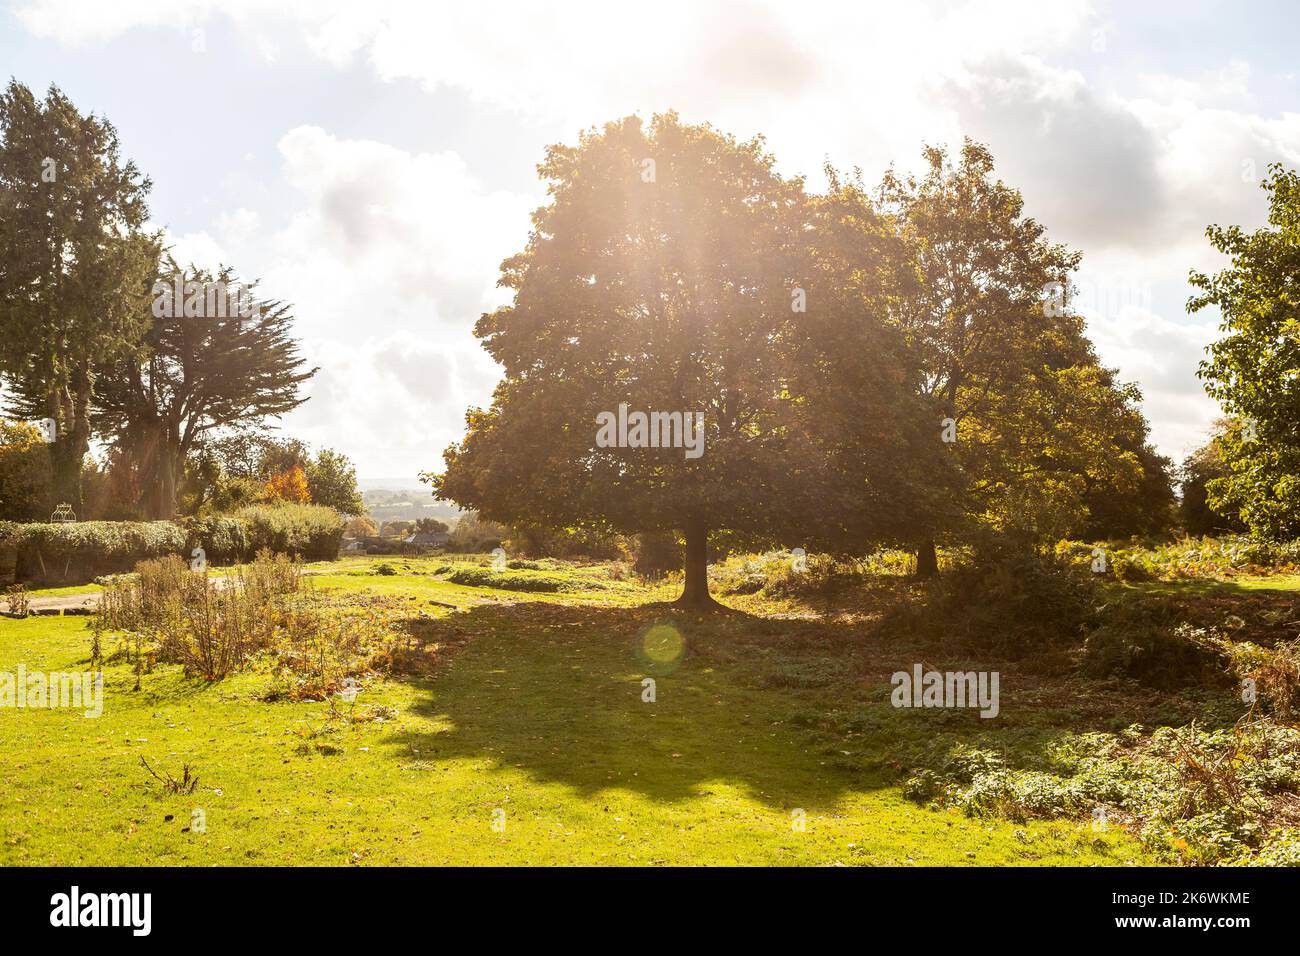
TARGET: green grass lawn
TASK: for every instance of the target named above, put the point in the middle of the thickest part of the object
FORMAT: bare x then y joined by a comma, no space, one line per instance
538,720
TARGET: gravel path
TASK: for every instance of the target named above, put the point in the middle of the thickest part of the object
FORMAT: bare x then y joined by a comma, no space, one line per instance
86,603
64,604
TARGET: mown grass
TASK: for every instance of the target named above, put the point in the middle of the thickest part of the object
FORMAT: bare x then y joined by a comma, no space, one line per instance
539,715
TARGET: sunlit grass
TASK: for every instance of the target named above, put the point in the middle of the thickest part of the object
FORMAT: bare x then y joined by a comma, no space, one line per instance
540,716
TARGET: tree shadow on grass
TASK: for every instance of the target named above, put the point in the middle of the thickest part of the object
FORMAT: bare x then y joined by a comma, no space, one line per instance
557,691
797,712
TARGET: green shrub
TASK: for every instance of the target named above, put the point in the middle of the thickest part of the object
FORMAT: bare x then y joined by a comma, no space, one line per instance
24,472
312,532
9,538
518,565
1134,566
520,579
818,574
1013,603
75,552
785,574
742,574
473,533
374,544
538,541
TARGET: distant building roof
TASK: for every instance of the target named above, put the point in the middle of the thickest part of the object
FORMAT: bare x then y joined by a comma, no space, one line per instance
432,539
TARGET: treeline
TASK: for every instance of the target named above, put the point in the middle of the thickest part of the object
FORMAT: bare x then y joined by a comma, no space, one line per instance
897,365
175,371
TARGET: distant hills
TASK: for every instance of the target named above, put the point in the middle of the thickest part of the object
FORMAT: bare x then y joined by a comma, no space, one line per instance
403,500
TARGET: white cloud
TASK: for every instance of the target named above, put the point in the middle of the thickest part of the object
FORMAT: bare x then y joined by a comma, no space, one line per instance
1162,357
1229,83
389,259
195,248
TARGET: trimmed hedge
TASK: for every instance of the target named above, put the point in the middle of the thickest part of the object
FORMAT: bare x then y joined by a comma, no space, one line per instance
81,551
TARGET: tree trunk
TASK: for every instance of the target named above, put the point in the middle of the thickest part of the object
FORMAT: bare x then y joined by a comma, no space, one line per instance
927,561
165,484
695,595
71,410
66,455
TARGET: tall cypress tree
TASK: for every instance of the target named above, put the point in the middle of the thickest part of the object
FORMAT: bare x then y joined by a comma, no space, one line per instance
75,266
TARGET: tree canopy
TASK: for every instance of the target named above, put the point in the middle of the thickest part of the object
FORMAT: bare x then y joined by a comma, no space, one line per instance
1040,432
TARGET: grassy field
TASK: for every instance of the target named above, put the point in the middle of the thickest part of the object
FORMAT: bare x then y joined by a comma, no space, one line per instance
770,741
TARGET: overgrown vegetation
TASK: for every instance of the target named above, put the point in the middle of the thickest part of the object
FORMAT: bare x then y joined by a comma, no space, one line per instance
1186,558
210,626
1012,605
260,614
1191,795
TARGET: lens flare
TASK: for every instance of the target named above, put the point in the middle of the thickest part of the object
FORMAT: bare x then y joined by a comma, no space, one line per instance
662,647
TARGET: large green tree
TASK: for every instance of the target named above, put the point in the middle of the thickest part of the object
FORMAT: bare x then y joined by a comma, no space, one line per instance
1035,425
1254,369
660,276
75,266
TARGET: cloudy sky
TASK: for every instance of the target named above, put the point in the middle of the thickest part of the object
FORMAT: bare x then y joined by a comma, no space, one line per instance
373,162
